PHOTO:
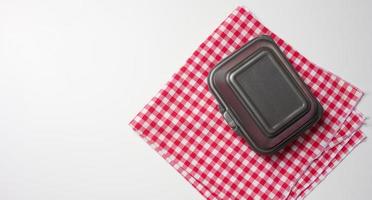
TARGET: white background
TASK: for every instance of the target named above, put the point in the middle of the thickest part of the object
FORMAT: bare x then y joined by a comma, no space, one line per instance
74,73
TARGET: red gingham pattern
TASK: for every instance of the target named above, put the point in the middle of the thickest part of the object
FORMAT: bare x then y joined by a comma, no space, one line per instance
325,161
183,124
334,157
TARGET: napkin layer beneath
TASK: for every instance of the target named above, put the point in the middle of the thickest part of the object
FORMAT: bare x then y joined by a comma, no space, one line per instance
183,124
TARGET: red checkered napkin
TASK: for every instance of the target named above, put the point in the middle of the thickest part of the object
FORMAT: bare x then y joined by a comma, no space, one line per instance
183,124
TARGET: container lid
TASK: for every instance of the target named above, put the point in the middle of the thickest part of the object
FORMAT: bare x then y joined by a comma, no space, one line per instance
262,97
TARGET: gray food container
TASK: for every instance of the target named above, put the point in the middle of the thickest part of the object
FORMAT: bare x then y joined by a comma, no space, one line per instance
262,97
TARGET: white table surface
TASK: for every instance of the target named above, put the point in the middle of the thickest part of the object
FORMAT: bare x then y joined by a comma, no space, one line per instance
73,74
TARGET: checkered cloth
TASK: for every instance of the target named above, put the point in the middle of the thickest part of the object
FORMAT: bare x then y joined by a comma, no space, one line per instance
183,124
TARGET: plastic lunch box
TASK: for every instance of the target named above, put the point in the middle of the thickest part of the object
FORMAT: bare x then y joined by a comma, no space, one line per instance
261,96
